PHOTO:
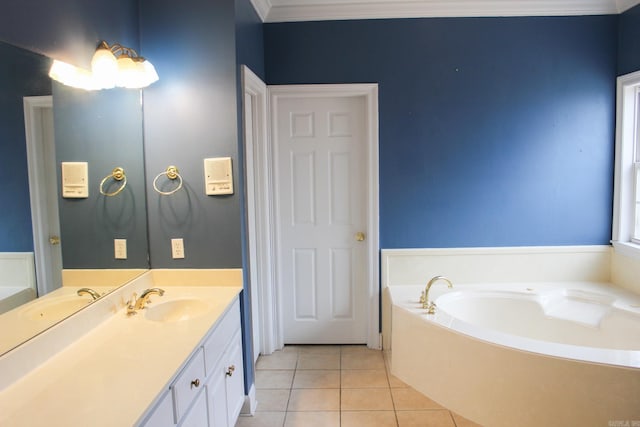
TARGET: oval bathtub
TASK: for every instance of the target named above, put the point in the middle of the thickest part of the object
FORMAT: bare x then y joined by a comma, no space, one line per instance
522,354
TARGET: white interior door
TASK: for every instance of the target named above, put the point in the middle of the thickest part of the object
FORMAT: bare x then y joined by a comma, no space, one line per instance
43,189
321,195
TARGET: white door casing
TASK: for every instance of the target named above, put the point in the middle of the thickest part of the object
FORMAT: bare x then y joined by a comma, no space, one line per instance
258,218
38,113
324,153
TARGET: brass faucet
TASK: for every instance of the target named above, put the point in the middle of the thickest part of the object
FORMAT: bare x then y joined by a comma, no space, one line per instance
135,303
83,291
430,306
144,297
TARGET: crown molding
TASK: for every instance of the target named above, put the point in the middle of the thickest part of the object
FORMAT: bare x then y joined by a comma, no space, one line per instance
321,10
624,5
262,8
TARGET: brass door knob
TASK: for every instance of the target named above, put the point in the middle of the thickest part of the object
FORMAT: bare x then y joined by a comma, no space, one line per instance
360,236
230,370
54,240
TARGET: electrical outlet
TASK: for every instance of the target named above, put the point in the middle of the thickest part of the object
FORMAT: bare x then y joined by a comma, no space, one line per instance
177,248
120,248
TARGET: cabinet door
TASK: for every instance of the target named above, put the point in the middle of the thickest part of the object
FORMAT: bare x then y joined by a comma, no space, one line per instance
234,379
197,416
217,398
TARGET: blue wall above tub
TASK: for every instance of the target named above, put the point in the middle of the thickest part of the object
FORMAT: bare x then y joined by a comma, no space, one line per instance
22,73
629,41
493,131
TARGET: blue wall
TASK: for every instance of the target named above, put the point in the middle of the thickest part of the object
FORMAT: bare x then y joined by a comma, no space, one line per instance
22,73
629,41
68,30
190,115
493,131
104,129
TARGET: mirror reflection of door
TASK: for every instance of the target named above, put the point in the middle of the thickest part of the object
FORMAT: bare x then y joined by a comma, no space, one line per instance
43,190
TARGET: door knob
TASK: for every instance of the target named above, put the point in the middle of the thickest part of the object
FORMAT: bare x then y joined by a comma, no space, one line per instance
54,240
360,236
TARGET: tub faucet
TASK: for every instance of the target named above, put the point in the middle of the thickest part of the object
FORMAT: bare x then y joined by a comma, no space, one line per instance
83,291
430,306
144,297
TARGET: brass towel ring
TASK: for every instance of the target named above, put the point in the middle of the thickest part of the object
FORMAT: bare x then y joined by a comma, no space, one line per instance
117,174
172,174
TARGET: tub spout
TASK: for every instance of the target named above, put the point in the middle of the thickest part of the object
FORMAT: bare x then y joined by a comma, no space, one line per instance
430,305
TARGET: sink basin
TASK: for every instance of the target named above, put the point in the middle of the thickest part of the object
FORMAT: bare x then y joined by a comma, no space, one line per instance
176,310
55,308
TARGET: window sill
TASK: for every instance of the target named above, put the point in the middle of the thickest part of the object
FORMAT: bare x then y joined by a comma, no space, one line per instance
629,249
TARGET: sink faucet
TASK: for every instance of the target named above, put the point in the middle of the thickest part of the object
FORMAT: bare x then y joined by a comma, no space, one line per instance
424,298
89,291
144,297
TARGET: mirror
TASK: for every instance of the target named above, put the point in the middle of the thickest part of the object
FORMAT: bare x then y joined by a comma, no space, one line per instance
101,128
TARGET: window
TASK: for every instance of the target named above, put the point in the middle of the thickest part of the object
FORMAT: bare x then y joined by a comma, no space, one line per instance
626,219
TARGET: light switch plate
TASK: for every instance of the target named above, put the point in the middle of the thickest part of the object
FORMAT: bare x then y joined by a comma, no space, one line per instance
120,248
177,248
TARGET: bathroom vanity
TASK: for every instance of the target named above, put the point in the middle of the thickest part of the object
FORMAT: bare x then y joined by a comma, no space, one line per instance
178,361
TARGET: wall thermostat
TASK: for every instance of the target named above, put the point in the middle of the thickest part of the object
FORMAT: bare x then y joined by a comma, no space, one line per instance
218,176
75,180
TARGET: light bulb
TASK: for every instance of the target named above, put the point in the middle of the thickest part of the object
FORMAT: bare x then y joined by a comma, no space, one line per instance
104,66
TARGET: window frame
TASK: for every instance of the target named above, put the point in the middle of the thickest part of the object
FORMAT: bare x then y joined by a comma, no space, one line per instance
627,161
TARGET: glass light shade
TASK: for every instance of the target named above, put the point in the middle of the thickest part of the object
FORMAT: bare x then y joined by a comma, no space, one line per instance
73,76
128,72
150,74
104,67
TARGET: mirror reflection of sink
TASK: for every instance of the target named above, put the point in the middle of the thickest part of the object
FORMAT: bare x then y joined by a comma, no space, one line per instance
55,308
176,310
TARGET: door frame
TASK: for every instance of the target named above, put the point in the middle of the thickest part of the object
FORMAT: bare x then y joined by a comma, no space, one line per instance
33,106
272,319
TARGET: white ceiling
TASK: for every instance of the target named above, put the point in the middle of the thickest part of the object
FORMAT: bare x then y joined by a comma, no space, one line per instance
321,10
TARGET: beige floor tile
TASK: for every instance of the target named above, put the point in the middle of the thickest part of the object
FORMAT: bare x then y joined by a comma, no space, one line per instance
262,419
323,378
272,400
395,382
313,419
319,361
366,399
371,359
314,399
364,378
268,378
407,399
320,349
356,349
462,421
291,348
368,418
435,418
278,360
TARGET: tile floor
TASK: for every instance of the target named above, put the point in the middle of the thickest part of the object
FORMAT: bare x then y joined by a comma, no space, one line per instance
347,386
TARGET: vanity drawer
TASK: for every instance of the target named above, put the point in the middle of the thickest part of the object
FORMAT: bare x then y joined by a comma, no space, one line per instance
188,384
217,342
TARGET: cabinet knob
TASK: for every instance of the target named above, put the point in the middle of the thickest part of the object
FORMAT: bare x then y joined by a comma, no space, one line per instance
195,383
230,370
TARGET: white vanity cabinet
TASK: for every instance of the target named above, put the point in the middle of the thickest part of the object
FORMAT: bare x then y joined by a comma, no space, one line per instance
209,388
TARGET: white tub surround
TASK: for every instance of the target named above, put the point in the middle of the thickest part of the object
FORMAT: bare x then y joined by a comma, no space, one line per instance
18,280
110,368
526,336
625,271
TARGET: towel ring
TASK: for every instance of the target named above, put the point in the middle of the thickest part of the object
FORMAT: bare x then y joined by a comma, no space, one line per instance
117,174
172,174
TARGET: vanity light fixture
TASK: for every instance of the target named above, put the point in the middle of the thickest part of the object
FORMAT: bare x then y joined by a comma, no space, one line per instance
111,66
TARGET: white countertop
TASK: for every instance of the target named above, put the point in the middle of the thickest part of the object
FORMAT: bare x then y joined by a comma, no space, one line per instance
110,376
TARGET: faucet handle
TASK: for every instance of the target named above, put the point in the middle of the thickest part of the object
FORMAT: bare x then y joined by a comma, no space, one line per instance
422,297
131,305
